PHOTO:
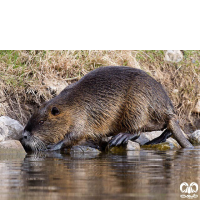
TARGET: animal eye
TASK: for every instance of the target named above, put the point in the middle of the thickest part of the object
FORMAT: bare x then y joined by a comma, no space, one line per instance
41,122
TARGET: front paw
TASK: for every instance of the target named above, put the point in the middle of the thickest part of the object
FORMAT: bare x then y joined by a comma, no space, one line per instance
54,147
121,139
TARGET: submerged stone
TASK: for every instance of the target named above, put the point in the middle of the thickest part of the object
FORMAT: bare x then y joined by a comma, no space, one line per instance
118,149
162,146
131,146
83,149
169,144
195,137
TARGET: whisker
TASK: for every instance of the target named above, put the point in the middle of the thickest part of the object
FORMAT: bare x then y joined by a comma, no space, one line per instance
36,144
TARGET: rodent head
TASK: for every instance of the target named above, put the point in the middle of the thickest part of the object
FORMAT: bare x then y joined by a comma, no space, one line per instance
47,126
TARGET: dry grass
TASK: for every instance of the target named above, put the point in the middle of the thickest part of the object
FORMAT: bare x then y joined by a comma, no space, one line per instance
22,75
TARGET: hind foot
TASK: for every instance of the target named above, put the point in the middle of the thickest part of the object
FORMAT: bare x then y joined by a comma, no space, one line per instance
122,139
162,138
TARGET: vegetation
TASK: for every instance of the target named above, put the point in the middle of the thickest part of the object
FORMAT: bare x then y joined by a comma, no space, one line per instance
22,75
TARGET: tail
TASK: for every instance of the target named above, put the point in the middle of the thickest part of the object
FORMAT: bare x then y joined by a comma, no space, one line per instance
174,127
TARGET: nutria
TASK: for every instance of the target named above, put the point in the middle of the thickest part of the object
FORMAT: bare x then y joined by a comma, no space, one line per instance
108,101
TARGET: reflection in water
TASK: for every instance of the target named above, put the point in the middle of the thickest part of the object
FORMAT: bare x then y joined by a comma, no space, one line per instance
145,174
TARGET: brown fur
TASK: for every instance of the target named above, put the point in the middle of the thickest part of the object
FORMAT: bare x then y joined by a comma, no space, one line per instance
106,101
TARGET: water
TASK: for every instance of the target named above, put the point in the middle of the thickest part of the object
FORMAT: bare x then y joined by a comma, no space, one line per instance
145,174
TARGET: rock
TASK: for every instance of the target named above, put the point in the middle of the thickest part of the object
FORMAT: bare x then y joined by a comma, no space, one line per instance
83,152
148,136
83,149
118,149
173,143
10,129
132,146
169,144
55,86
195,137
11,146
173,56
161,147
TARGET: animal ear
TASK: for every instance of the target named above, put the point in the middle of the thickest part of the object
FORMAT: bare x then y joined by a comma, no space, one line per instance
55,111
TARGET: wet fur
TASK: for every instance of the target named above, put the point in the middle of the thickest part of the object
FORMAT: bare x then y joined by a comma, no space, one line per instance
106,101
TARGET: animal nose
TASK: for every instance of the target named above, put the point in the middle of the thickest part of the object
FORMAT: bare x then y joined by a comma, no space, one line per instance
26,135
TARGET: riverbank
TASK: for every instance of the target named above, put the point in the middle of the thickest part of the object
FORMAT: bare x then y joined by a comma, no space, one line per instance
28,78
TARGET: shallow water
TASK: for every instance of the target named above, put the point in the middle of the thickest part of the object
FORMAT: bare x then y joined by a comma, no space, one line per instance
145,174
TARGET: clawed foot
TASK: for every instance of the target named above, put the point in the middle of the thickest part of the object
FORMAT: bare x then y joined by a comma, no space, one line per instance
122,139
162,138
